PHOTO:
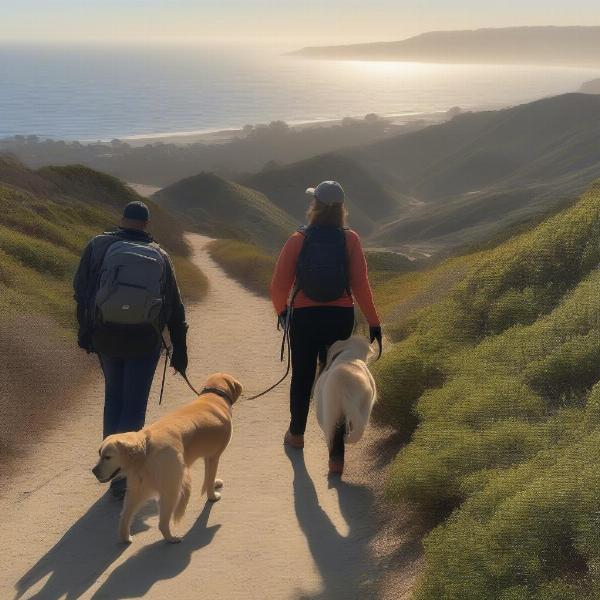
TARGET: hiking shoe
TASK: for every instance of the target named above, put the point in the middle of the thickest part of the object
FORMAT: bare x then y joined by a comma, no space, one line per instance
295,441
336,466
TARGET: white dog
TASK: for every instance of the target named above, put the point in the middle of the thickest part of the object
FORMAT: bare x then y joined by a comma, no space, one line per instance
345,390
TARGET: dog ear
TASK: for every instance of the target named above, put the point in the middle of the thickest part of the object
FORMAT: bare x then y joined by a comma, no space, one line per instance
131,446
235,386
238,388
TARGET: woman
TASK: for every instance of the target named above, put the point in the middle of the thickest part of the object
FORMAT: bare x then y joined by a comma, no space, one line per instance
321,268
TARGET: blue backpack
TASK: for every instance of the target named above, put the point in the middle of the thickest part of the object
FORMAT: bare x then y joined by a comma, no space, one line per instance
322,270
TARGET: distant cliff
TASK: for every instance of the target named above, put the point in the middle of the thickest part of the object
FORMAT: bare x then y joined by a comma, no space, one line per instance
528,45
591,87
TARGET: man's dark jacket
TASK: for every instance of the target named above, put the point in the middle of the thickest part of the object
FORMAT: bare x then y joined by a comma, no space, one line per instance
85,283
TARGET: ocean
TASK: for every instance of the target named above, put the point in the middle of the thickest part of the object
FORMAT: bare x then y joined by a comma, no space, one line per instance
91,92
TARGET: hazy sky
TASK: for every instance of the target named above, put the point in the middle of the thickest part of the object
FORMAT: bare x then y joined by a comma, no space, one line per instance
313,21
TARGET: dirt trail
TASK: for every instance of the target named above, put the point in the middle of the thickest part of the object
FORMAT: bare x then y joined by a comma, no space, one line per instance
280,532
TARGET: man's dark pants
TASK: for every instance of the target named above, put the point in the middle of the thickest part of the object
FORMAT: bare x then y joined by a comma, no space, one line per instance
127,387
127,383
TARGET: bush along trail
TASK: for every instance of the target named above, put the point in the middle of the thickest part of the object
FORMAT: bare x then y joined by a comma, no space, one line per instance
281,530
499,385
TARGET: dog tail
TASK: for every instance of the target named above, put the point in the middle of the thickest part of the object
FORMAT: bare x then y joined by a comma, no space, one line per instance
184,496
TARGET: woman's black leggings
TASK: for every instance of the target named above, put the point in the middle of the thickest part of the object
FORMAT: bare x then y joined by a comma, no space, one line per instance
312,330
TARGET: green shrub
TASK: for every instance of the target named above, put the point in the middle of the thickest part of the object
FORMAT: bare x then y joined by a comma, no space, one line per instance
508,432
37,254
42,236
402,376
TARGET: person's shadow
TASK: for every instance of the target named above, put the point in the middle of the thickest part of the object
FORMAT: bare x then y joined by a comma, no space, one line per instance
84,552
344,562
135,577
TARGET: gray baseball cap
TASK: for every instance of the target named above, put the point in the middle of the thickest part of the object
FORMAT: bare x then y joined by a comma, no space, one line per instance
328,192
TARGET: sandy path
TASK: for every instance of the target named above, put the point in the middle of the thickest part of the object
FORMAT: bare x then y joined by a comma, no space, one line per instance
280,531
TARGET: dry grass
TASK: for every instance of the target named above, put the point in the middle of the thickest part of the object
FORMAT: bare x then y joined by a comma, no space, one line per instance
244,262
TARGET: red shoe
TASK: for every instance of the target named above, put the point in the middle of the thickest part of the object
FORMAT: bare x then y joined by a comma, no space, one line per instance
336,466
295,441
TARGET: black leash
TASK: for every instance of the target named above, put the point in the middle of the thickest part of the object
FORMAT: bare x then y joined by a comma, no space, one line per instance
284,342
162,385
185,377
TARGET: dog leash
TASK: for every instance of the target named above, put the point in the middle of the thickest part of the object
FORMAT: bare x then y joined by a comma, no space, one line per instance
284,342
183,375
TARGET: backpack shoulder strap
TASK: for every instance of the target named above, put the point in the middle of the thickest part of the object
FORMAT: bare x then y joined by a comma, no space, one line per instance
100,245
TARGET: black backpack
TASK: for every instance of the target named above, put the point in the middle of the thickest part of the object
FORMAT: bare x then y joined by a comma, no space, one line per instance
322,269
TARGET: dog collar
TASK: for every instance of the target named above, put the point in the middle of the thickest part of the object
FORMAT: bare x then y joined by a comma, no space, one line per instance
218,392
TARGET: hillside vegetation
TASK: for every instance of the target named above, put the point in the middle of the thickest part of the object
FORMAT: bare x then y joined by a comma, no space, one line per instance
220,208
499,384
253,267
46,218
481,172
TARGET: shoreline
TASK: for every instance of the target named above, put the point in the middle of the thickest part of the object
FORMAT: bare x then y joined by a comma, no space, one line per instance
224,135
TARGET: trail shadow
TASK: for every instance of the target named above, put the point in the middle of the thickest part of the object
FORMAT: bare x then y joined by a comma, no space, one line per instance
84,552
344,562
135,577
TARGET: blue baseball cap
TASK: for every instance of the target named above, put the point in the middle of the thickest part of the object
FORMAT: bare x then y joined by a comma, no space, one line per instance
136,211
328,192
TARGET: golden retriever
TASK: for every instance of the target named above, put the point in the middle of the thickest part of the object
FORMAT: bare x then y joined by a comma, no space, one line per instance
156,459
345,390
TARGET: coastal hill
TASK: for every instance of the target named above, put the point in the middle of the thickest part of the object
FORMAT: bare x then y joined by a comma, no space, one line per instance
455,183
221,208
591,87
368,200
577,46
480,172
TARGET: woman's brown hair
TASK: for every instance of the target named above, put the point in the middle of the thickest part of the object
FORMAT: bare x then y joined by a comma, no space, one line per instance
334,215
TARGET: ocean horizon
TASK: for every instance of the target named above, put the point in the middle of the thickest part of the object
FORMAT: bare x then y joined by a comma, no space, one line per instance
93,92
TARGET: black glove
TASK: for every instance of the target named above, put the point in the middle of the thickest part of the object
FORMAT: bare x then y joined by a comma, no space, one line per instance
375,334
84,340
179,359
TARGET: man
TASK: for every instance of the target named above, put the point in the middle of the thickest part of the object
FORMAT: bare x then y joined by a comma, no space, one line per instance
126,293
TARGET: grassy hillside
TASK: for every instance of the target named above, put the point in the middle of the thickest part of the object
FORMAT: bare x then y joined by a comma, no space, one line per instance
501,378
224,209
46,218
368,201
481,172
246,263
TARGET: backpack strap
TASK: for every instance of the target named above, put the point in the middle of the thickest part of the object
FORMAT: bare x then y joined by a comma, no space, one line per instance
348,290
